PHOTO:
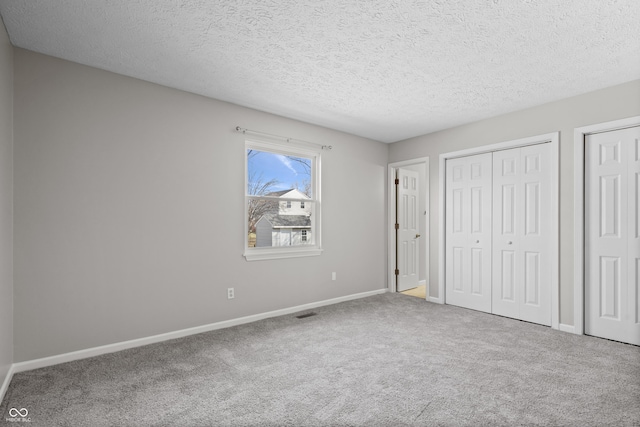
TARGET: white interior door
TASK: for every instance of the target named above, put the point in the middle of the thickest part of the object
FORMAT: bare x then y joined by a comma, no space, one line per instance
408,246
522,233
612,235
468,232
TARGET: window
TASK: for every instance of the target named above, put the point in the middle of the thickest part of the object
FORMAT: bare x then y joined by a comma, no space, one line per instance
282,200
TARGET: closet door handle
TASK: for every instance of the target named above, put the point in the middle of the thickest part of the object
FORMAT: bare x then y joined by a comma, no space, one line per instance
510,243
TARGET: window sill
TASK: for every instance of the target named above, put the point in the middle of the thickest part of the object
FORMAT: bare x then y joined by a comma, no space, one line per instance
262,254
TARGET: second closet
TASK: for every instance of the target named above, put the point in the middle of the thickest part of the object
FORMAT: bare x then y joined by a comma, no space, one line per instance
499,237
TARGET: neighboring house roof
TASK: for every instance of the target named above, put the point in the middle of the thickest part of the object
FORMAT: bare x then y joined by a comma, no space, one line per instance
279,193
287,221
284,192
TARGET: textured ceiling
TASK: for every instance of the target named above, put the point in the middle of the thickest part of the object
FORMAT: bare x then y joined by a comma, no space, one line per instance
383,69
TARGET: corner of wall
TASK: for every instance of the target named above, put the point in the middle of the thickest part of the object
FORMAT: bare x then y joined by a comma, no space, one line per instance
6,211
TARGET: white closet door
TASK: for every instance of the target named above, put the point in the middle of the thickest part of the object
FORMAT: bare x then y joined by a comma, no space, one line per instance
522,233
468,232
633,239
612,244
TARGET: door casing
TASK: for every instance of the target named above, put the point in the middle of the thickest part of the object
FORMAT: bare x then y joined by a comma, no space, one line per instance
552,138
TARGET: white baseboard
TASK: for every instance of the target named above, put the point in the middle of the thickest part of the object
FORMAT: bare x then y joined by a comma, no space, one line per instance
6,382
567,328
422,283
111,348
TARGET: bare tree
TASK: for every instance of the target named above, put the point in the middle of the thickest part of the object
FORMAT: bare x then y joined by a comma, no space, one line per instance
305,163
305,185
251,154
257,186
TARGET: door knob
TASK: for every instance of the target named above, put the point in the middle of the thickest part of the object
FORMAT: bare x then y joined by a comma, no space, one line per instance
417,235
477,241
510,243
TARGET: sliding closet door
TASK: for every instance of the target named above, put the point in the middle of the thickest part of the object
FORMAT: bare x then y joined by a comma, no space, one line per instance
522,233
612,235
468,232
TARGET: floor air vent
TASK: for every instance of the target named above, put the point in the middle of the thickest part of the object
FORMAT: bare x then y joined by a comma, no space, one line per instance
304,316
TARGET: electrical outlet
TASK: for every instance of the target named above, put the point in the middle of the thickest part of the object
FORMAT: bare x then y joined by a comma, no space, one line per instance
231,294
333,276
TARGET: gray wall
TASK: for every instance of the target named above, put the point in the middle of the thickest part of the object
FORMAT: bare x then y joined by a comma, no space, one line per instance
6,203
129,211
604,105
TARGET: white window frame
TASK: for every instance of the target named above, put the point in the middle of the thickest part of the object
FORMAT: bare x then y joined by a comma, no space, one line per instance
289,149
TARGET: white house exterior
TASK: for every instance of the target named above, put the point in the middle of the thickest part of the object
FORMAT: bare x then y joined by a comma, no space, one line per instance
289,226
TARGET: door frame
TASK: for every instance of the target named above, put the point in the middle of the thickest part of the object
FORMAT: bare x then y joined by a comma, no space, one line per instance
554,139
579,135
391,212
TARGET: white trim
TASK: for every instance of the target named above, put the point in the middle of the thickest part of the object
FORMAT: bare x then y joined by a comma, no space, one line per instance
282,199
505,145
554,139
280,138
567,328
277,253
441,226
391,238
111,348
6,382
579,135
555,230
280,147
391,192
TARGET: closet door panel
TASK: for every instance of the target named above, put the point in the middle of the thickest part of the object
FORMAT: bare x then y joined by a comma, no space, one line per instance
536,238
468,232
507,212
522,233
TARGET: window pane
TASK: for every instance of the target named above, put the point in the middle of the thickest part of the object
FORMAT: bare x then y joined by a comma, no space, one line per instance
271,225
273,174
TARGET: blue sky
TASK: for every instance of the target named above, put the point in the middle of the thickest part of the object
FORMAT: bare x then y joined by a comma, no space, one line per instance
284,169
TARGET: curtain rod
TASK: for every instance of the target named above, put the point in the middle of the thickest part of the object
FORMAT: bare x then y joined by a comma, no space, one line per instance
245,131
